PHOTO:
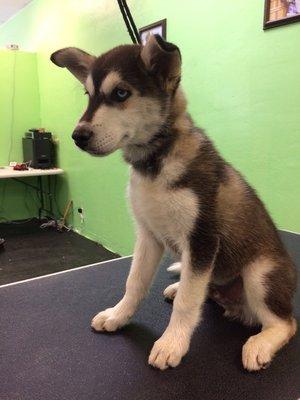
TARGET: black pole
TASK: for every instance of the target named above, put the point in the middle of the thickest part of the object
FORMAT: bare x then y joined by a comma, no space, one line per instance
133,26
126,22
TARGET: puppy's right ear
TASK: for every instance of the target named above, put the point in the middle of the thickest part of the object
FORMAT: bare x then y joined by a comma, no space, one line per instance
77,61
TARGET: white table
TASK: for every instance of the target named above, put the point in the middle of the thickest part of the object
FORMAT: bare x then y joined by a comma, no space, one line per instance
10,173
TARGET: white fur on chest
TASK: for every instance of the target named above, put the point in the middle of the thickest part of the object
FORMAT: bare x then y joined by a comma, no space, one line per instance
169,214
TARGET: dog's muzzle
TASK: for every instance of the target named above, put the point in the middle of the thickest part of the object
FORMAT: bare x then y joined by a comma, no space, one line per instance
81,137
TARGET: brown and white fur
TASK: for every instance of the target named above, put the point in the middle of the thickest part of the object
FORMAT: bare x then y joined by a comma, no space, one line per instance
186,198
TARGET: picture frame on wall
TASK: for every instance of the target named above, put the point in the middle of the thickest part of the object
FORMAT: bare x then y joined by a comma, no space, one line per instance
159,27
281,12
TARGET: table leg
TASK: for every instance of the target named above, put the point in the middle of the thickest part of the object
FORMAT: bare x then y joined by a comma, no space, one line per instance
45,195
40,189
50,195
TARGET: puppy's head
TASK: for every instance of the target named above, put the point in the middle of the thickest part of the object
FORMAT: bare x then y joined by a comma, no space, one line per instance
130,90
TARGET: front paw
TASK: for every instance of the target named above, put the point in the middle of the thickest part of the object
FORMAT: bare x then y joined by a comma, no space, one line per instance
110,320
167,352
257,353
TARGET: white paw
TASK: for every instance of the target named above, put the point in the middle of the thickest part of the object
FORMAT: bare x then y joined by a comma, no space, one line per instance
171,290
110,320
257,353
175,268
167,352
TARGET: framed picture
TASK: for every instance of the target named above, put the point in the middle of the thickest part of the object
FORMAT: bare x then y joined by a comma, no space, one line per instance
281,12
159,27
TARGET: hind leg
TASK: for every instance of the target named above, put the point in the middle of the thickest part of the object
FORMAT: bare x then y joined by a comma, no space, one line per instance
175,268
277,329
171,290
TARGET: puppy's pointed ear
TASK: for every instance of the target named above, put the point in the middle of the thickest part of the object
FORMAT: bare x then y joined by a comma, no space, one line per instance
162,59
77,61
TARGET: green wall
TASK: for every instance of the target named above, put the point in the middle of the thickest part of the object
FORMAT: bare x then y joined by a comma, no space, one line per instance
242,84
19,110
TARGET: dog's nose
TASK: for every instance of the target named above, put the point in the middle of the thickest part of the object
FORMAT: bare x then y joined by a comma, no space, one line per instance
81,136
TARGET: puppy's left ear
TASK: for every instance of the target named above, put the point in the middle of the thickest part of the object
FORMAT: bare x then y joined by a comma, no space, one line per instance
162,59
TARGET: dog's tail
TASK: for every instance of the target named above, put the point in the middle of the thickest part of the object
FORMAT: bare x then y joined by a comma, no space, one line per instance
175,268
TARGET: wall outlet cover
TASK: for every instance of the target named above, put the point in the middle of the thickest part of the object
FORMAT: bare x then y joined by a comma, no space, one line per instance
12,46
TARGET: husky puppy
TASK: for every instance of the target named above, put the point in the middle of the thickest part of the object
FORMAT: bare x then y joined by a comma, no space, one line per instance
185,197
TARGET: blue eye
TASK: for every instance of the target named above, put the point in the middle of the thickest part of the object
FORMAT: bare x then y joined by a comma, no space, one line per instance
120,94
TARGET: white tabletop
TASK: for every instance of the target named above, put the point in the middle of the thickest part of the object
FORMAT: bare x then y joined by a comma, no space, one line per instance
9,172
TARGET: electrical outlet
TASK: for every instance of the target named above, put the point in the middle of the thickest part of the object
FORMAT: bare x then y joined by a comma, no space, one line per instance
81,214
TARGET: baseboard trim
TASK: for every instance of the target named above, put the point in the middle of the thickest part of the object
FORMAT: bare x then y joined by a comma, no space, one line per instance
65,271
287,231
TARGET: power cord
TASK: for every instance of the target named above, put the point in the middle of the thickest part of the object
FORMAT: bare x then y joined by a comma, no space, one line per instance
55,197
12,102
12,105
